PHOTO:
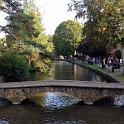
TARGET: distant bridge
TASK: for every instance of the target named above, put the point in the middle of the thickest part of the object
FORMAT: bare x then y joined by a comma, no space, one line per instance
88,91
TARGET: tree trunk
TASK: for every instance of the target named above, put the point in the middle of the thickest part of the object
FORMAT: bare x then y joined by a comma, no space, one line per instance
103,62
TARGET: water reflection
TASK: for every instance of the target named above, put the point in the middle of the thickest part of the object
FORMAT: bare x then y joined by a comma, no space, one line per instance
68,71
57,108
4,121
66,114
54,101
65,122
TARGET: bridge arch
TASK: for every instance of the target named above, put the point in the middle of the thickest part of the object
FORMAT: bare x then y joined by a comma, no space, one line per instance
4,101
54,98
88,95
107,99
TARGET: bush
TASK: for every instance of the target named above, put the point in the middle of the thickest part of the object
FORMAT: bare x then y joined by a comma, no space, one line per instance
14,67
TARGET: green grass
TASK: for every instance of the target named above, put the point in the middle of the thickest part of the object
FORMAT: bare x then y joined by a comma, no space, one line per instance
119,75
94,66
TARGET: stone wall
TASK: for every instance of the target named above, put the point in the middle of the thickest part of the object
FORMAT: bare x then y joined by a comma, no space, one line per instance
86,94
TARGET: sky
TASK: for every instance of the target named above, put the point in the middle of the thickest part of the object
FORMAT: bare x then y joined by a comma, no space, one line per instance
2,22
53,13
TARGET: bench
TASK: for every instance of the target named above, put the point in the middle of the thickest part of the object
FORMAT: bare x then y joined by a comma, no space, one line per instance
115,66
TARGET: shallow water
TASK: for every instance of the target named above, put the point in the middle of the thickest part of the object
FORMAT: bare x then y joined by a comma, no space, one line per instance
68,71
55,108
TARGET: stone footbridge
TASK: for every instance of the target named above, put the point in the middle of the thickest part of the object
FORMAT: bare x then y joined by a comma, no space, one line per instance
87,91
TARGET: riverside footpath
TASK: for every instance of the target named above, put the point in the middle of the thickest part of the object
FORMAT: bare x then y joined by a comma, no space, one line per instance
117,75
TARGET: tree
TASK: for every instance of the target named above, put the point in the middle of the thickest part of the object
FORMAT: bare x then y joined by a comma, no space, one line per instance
67,36
25,33
103,27
19,27
40,36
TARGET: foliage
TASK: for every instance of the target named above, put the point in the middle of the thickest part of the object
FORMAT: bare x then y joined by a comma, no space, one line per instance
103,28
1,3
104,21
40,36
14,67
39,59
50,46
25,34
67,36
1,41
19,24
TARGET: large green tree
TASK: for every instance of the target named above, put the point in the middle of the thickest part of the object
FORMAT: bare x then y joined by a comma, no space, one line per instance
40,36
19,24
67,36
25,34
103,27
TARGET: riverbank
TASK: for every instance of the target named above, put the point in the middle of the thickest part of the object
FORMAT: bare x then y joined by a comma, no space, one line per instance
116,75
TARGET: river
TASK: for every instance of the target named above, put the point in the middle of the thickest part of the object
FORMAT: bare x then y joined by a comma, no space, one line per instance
67,71
58,108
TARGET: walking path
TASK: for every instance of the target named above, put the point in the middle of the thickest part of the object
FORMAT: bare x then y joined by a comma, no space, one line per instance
117,74
61,83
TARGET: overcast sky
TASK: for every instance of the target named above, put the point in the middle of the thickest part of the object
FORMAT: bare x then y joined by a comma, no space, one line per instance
53,13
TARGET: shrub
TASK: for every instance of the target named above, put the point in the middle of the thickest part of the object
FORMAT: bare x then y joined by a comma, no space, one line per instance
14,67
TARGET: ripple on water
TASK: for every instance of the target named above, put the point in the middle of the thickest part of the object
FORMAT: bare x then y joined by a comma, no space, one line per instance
54,100
4,121
64,122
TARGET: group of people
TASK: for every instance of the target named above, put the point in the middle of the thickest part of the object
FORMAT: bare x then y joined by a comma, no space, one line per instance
112,62
92,60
